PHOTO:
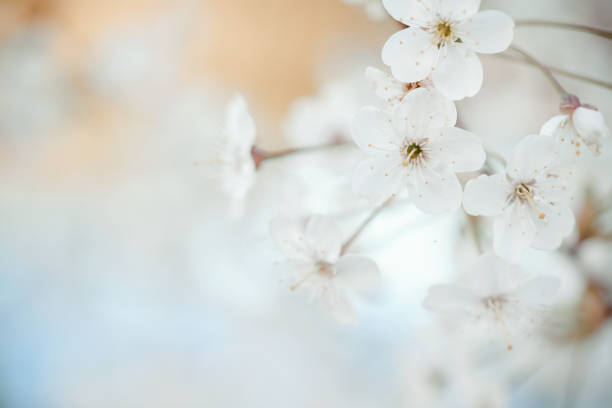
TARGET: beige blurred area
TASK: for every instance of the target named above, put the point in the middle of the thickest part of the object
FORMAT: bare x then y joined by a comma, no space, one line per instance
267,49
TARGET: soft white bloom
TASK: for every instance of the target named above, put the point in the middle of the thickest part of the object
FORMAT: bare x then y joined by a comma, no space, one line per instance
392,90
230,162
577,125
326,117
530,202
418,147
373,8
441,371
442,40
313,245
495,293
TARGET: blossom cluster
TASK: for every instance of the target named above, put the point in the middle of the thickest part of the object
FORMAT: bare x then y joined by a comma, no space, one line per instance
412,146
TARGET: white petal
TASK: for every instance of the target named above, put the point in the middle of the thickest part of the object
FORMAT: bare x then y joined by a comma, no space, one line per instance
341,307
487,32
324,237
435,192
408,12
513,232
458,73
239,124
538,291
423,109
486,195
289,236
373,131
532,156
591,127
551,126
358,273
491,275
458,149
456,9
387,87
410,54
557,223
451,299
378,178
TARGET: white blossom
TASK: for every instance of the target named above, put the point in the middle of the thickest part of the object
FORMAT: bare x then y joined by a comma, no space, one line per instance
326,117
313,245
418,147
577,126
530,202
442,40
229,161
373,8
392,90
496,295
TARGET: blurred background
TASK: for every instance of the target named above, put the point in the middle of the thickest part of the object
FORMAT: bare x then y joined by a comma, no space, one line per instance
124,283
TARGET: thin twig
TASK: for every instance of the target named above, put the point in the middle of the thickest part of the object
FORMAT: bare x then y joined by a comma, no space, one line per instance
545,70
363,225
578,27
259,155
558,71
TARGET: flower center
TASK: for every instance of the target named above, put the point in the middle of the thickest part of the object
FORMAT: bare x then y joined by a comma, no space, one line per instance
413,152
524,192
444,33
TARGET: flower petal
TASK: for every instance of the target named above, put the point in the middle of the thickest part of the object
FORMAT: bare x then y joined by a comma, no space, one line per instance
373,131
424,109
411,13
458,73
239,124
591,127
557,223
410,54
538,291
357,272
456,9
387,87
487,32
460,150
289,236
486,195
513,232
341,307
551,126
435,192
532,156
378,178
324,237
452,299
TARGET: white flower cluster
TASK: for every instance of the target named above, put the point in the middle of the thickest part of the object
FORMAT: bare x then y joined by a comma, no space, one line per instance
412,145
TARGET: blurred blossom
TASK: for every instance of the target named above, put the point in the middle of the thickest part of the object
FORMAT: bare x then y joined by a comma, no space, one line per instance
326,117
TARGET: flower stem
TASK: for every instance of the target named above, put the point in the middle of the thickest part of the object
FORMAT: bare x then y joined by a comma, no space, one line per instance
545,70
578,27
364,224
259,155
559,71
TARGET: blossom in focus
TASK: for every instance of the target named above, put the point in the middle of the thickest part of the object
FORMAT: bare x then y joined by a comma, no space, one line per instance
577,126
313,246
530,202
442,40
390,89
373,8
418,147
495,293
